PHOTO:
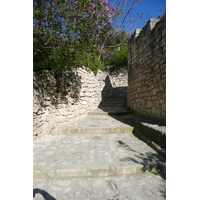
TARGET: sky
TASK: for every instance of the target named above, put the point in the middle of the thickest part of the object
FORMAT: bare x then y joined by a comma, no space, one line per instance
147,8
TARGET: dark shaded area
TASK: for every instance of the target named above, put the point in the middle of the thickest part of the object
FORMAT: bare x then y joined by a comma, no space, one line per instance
52,90
113,99
125,146
110,92
149,137
151,161
45,194
150,118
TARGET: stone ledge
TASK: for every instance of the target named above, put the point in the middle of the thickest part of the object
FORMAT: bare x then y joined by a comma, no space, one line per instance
122,129
159,120
98,172
153,134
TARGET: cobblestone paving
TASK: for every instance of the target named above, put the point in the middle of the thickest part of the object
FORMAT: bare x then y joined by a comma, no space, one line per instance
109,166
92,155
145,186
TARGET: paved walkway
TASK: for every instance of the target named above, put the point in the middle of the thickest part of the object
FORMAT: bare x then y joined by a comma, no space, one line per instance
97,158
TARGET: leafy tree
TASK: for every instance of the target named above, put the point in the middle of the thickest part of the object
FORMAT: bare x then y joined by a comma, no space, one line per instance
70,33
64,29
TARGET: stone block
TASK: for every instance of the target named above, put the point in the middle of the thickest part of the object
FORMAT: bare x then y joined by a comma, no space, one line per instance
163,76
158,111
149,104
60,118
157,104
164,32
54,131
161,88
152,22
164,48
163,42
153,110
48,118
164,107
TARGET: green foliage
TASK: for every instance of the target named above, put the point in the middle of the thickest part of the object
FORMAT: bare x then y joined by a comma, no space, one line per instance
85,59
50,53
67,33
117,58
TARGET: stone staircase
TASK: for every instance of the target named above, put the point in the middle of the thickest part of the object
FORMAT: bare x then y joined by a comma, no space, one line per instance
98,158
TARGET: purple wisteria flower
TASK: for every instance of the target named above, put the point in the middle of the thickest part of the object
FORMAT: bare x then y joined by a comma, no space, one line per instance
93,5
95,23
74,2
99,47
105,2
95,13
106,8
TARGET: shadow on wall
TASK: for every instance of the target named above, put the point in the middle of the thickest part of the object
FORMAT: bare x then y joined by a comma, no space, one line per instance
112,92
45,194
51,90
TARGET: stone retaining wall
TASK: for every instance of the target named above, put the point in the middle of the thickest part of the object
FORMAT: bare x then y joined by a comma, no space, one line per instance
147,70
61,100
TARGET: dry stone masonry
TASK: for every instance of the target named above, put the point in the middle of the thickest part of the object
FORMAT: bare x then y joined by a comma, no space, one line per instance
60,101
147,70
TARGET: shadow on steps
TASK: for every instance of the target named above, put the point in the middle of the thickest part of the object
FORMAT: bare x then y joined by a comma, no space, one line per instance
151,131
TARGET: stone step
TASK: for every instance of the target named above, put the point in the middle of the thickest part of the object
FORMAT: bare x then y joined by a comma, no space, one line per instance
94,124
137,186
153,133
150,131
96,171
94,130
110,111
93,155
113,104
114,101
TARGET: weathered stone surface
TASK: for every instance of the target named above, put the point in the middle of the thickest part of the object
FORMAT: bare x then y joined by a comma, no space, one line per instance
63,100
147,80
61,158
138,186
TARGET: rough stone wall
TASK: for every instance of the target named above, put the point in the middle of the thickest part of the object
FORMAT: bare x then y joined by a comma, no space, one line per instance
60,101
147,69
119,81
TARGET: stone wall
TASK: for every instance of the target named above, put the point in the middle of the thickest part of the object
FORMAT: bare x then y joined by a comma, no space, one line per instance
62,100
117,82
147,70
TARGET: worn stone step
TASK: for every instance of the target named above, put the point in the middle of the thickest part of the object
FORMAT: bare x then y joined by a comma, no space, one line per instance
114,99
110,111
137,186
93,155
112,104
153,133
94,124
97,171
150,131
102,130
